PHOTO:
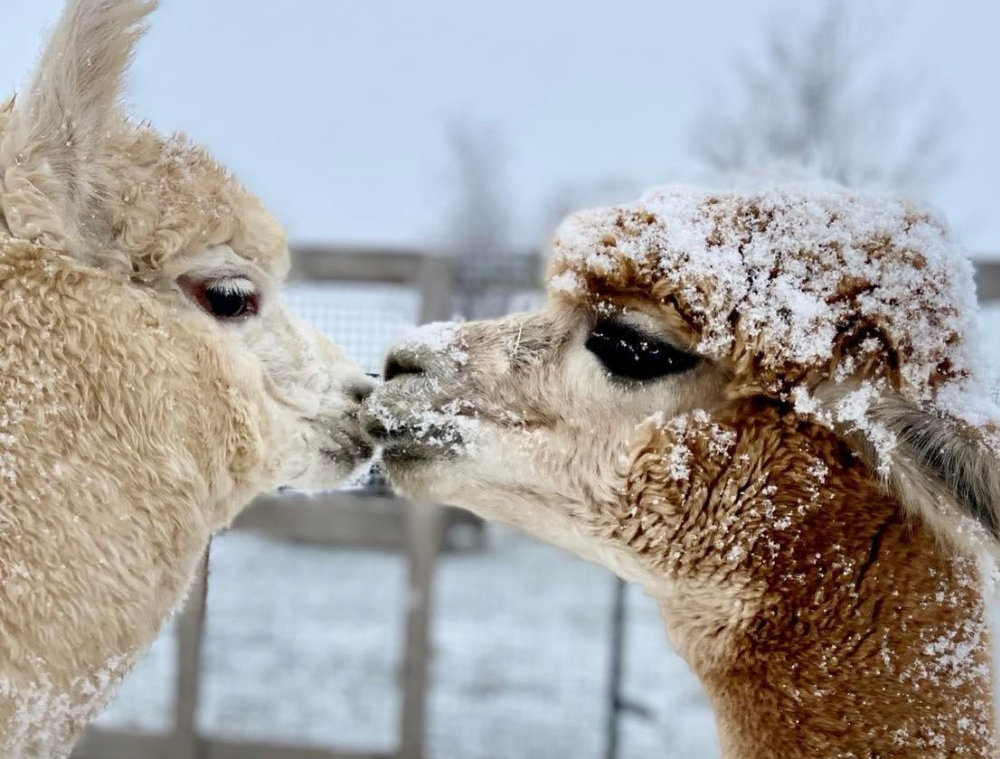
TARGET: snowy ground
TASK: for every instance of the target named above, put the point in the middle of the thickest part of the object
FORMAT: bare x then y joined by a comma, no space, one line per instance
304,646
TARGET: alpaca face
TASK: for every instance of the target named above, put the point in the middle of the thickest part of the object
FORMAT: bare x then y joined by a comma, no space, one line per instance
847,311
159,215
313,389
530,420
227,271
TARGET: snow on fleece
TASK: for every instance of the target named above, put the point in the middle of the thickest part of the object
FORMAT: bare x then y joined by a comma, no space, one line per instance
794,284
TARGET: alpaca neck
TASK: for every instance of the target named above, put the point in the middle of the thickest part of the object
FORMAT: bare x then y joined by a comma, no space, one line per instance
884,654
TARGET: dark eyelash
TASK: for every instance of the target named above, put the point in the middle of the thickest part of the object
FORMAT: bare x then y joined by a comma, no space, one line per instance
627,353
227,303
220,298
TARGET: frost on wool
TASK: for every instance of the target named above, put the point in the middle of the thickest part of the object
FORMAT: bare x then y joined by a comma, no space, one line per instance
438,338
42,711
796,284
695,423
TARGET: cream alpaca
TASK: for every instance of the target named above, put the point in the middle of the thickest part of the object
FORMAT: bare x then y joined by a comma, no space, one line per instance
151,382
762,405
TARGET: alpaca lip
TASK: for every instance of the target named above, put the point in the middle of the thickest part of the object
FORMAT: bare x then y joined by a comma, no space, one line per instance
407,441
406,453
407,436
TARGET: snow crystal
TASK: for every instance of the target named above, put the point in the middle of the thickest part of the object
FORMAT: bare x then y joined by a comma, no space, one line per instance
794,284
566,282
679,456
7,460
721,442
453,426
679,462
853,411
440,338
818,471
45,715
804,403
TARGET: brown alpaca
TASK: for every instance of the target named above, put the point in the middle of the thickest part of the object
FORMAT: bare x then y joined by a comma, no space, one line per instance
151,381
761,405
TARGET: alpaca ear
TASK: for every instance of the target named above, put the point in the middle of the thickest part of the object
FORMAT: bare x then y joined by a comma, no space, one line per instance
944,473
940,469
50,152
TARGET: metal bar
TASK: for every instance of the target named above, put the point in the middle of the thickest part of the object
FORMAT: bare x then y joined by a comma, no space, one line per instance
235,750
423,522
329,519
344,264
99,743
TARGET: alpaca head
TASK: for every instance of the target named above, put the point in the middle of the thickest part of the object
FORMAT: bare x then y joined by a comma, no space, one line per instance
80,180
695,316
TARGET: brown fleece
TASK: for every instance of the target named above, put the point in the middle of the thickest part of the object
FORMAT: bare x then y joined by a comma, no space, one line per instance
820,621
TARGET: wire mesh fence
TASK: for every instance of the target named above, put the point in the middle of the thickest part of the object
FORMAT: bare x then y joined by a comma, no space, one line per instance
364,320
303,646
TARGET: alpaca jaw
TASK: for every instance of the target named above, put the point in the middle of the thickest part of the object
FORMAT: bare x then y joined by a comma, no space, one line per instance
314,389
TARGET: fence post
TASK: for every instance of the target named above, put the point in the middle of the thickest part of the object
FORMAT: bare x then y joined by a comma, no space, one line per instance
615,697
423,540
422,544
190,635
435,281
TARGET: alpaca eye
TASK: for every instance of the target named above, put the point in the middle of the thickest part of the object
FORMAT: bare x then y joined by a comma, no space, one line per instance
228,304
225,299
629,354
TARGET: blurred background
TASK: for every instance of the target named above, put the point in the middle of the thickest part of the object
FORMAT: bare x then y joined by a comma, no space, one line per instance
420,154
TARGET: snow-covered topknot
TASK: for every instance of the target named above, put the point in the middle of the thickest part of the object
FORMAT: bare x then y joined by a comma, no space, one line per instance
791,285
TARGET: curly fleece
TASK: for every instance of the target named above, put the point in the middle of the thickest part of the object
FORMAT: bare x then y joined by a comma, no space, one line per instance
130,430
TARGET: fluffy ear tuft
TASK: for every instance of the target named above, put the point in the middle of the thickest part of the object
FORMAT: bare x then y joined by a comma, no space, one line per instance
50,150
939,469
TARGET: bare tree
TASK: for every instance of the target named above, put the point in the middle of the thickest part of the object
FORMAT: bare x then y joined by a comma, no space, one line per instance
822,97
479,221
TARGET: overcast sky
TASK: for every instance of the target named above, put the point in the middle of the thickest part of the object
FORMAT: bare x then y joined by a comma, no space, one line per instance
335,112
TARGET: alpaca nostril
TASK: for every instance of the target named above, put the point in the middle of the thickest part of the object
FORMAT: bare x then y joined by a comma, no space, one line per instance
399,364
360,390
